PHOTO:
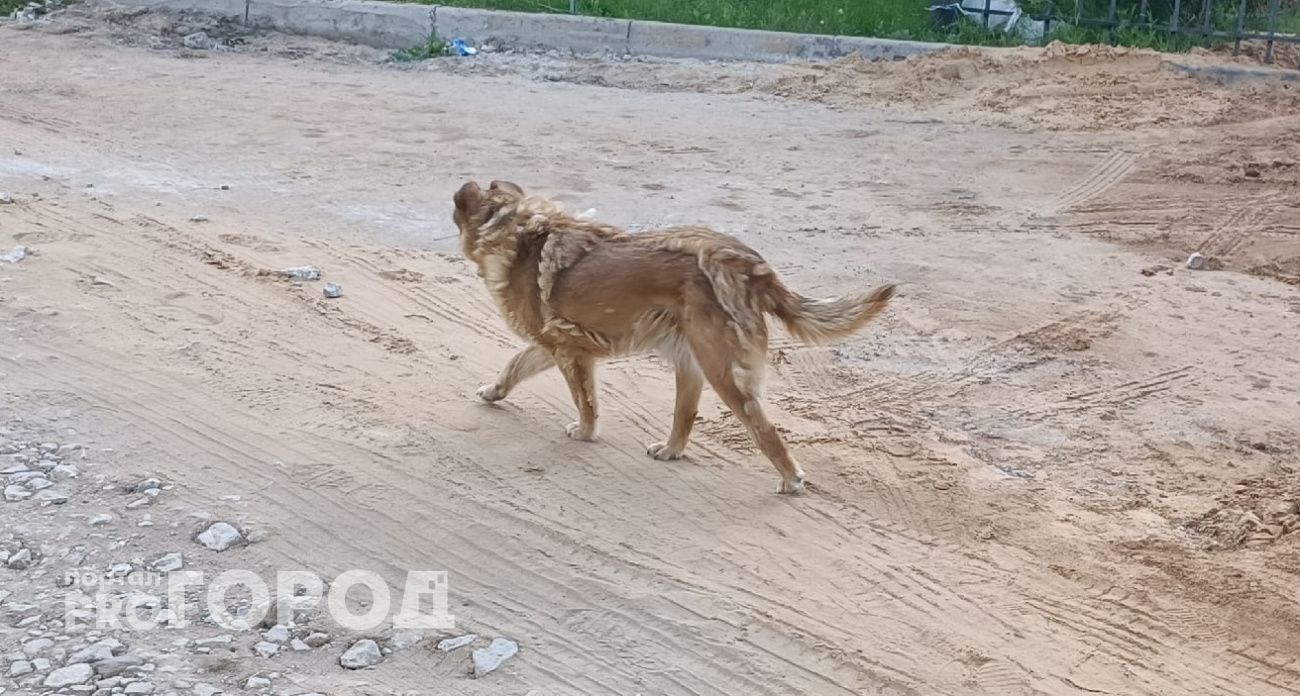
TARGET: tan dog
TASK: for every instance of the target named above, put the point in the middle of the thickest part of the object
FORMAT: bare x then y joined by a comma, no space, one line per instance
580,291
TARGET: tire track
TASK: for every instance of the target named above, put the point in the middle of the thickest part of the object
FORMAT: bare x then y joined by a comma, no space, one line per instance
1106,174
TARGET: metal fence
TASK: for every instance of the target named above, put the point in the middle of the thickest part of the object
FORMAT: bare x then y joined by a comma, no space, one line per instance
1270,22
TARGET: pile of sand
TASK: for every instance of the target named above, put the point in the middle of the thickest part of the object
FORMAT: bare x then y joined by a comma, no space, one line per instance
1058,87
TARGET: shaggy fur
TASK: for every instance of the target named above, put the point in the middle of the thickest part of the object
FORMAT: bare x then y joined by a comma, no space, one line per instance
580,291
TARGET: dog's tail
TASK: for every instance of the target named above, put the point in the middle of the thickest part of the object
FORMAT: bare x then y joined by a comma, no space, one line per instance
820,321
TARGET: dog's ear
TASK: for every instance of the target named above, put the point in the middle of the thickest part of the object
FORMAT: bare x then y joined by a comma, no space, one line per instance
468,200
506,186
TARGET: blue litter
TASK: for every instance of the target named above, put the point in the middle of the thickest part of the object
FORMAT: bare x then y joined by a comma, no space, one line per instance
460,48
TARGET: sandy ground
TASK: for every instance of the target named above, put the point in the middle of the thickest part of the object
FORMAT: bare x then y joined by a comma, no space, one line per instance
1045,472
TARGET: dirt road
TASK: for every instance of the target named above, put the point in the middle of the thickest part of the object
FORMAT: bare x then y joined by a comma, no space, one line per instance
1033,477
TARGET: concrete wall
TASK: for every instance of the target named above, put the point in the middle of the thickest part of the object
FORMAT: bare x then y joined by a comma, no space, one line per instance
397,26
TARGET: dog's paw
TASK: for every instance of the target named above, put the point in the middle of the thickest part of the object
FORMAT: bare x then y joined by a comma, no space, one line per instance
575,431
660,451
794,486
490,393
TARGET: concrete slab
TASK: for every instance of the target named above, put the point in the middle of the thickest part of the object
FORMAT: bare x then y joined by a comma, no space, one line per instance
377,24
717,43
224,8
581,34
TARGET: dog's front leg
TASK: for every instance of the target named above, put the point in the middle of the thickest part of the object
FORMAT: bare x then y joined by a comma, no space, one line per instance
580,372
690,383
525,364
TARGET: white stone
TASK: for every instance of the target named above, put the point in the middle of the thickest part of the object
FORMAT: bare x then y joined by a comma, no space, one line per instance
220,536
116,666
266,649
488,659
19,668
71,675
206,690
277,634
362,654
255,683
140,688
50,496
15,493
449,644
32,648
169,563
20,560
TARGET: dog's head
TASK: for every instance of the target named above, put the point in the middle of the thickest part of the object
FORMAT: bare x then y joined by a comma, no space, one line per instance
476,208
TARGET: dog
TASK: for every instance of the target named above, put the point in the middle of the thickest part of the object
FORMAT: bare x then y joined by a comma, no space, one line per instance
580,291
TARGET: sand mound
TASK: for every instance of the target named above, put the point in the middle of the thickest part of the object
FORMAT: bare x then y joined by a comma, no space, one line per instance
1058,87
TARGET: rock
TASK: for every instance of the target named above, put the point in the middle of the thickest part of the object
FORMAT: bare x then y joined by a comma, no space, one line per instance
206,690
39,483
255,683
20,668
449,644
33,648
317,640
404,639
333,290
120,570
277,634
1282,510
116,666
140,688
101,520
220,536
266,649
20,560
216,642
151,484
103,650
50,496
298,645
15,493
362,654
15,254
169,563
488,659
198,41
1196,261
41,664
5,198
301,273
71,675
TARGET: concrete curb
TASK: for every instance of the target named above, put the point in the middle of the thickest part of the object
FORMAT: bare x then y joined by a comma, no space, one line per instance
397,26
377,24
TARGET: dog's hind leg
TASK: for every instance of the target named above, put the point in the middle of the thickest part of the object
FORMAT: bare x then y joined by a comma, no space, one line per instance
734,367
580,372
690,383
525,364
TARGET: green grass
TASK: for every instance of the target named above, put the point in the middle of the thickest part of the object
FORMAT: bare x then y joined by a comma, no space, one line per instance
910,19
8,6
900,19
432,48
